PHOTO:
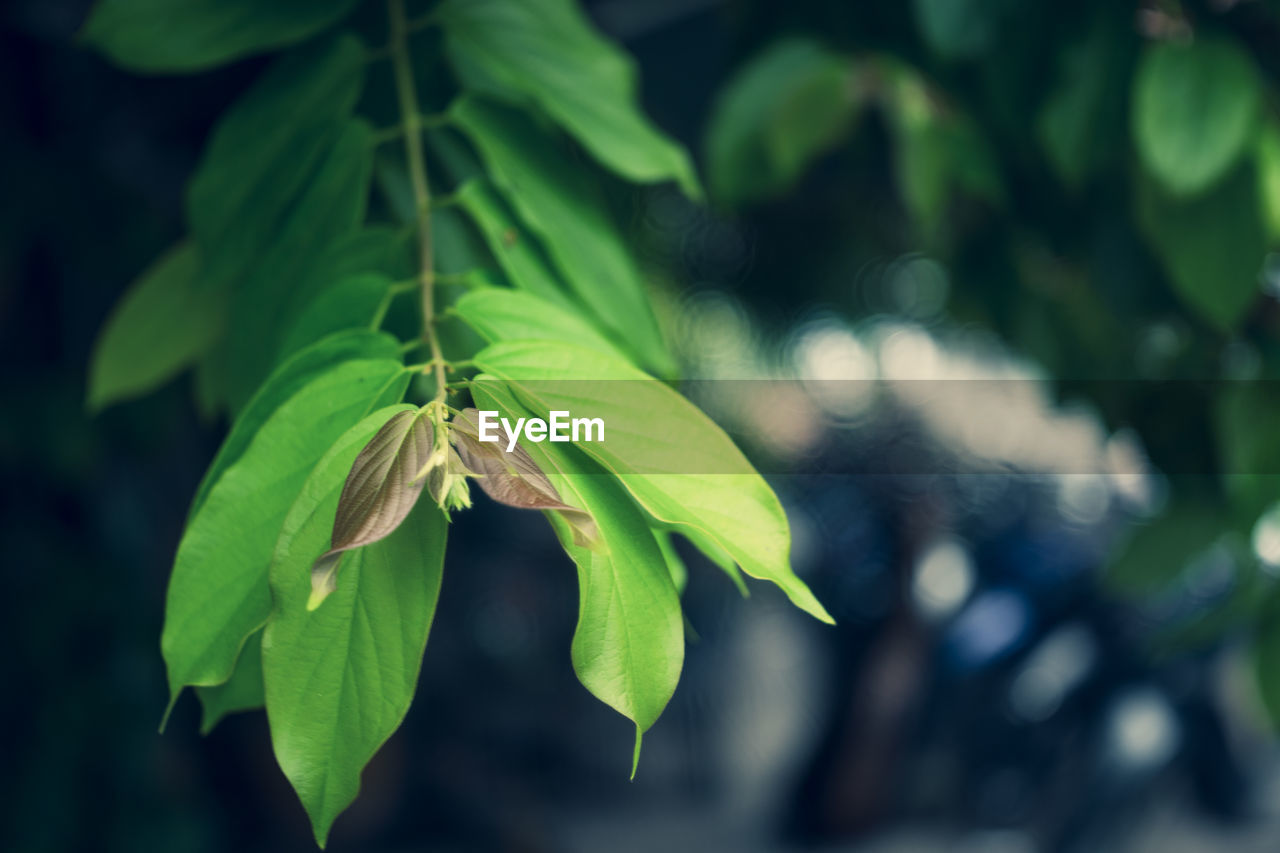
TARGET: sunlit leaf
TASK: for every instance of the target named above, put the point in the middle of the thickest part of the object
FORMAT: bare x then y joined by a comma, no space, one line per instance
192,35
218,592
628,646
504,315
673,459
283,383
158,329
546,51
340,679
1195,110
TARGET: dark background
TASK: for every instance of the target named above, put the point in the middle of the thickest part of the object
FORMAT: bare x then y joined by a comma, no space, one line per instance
900,730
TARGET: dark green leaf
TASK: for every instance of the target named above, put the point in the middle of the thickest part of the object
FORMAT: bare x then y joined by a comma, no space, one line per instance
265,149
349,302
241,692
218,592
1211,246
1269,177
1195,110
1266,664
560,204
516,250
1245,421
340,679
1159,549
157,329
192,35
380,490
286,381
676,463
328,209
788,105
960,29
545,51
1081,124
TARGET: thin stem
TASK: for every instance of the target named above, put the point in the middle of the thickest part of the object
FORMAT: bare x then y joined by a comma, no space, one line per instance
411,120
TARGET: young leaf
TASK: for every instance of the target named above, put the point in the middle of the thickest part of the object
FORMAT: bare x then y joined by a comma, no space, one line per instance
218,592
504,315
157,329
241,692
671,457
286,381
559,203
340,679
380,490
545,51
1212,246
628,646
784,108
512,477
1195,109
675,564
192,35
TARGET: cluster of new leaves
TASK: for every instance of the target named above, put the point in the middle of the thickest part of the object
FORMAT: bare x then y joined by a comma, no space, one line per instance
308,573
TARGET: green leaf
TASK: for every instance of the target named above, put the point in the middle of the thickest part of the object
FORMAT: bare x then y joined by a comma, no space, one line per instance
328,209
241,692
349,302
501,315
1195,110
218,592
560,204
545,51
960,29
628,646
517,251
673,459
1244,419
937,150
265,150
718,556
1158,550
158,36
1211,246
1077,126
340,679
380,490
286,381
157,329
784,108
1269,177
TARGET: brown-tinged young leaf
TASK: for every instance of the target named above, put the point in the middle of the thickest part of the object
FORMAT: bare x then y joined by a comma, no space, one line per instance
513,478
378,495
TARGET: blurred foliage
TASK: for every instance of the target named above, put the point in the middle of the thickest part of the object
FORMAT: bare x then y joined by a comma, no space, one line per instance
1101,182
